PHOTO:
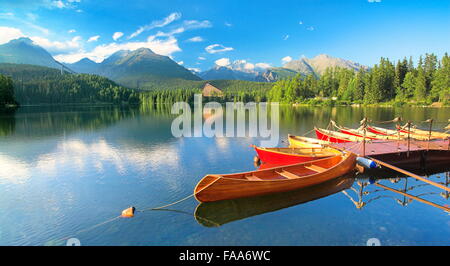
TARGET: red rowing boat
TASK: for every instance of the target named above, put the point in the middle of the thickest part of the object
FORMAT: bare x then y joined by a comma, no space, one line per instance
335,137
352,133
376,131
285,156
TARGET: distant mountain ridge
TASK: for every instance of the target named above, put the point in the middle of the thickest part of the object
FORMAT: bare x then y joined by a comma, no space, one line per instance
320,63
135,68
304,66
24,51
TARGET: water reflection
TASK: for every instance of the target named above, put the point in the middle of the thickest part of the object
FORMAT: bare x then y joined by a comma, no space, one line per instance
79,156
59,120
221,212
405,190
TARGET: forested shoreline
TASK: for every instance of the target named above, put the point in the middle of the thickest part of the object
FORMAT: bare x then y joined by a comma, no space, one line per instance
402,82
42,85
387,82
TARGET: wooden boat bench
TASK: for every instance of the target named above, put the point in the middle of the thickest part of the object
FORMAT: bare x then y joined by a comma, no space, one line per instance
316,168
287,174
253,178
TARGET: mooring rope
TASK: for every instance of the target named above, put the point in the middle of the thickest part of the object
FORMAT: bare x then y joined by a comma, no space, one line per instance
168,205
143,210
88,229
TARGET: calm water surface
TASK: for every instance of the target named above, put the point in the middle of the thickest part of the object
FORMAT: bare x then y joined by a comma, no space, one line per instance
66,169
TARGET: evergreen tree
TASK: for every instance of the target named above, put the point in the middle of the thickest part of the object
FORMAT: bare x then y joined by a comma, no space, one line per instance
420,88
441,83
6,91
409,83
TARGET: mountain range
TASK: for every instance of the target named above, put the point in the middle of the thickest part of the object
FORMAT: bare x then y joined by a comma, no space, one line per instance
304,66
143,68
135,68
320,63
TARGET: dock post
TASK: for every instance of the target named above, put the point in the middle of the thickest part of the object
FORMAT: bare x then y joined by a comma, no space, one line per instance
429,133
364,136
409,138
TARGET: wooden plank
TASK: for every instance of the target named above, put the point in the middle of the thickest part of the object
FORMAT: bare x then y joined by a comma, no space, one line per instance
253,178
316,168
287,174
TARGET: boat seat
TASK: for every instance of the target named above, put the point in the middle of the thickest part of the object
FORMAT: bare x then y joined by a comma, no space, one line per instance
316,168
253,178
287,174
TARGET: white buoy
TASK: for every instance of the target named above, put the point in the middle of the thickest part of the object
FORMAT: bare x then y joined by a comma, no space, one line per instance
367,163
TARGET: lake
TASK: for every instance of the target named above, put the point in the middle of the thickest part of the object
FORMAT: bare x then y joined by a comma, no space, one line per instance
66,169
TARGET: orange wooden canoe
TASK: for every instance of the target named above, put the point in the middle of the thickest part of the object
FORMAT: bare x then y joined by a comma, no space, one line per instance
272,180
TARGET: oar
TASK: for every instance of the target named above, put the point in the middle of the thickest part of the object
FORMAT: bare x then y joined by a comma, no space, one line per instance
410,174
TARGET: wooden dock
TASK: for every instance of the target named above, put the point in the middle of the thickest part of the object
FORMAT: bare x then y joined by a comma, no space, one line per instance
415,154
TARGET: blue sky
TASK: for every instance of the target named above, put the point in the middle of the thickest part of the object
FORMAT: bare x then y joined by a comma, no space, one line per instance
199,33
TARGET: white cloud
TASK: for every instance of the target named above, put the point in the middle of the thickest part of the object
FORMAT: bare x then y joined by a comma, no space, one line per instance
187,25
249,66
228,24
32,16
69,4
117,35
93,38
59,4
11,16
195,39
301,23
201,58
195,24
285,37
223,62
7,14
156,24
71,31
310,28
166,47
57,46
263,65
194,69
212,49
39,28
286,59
180,63
374,1
9,34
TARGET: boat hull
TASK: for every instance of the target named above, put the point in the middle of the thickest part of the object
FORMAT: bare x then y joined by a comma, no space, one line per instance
217,213
348,132
424,133
304,142
281,156
223,187
322,136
